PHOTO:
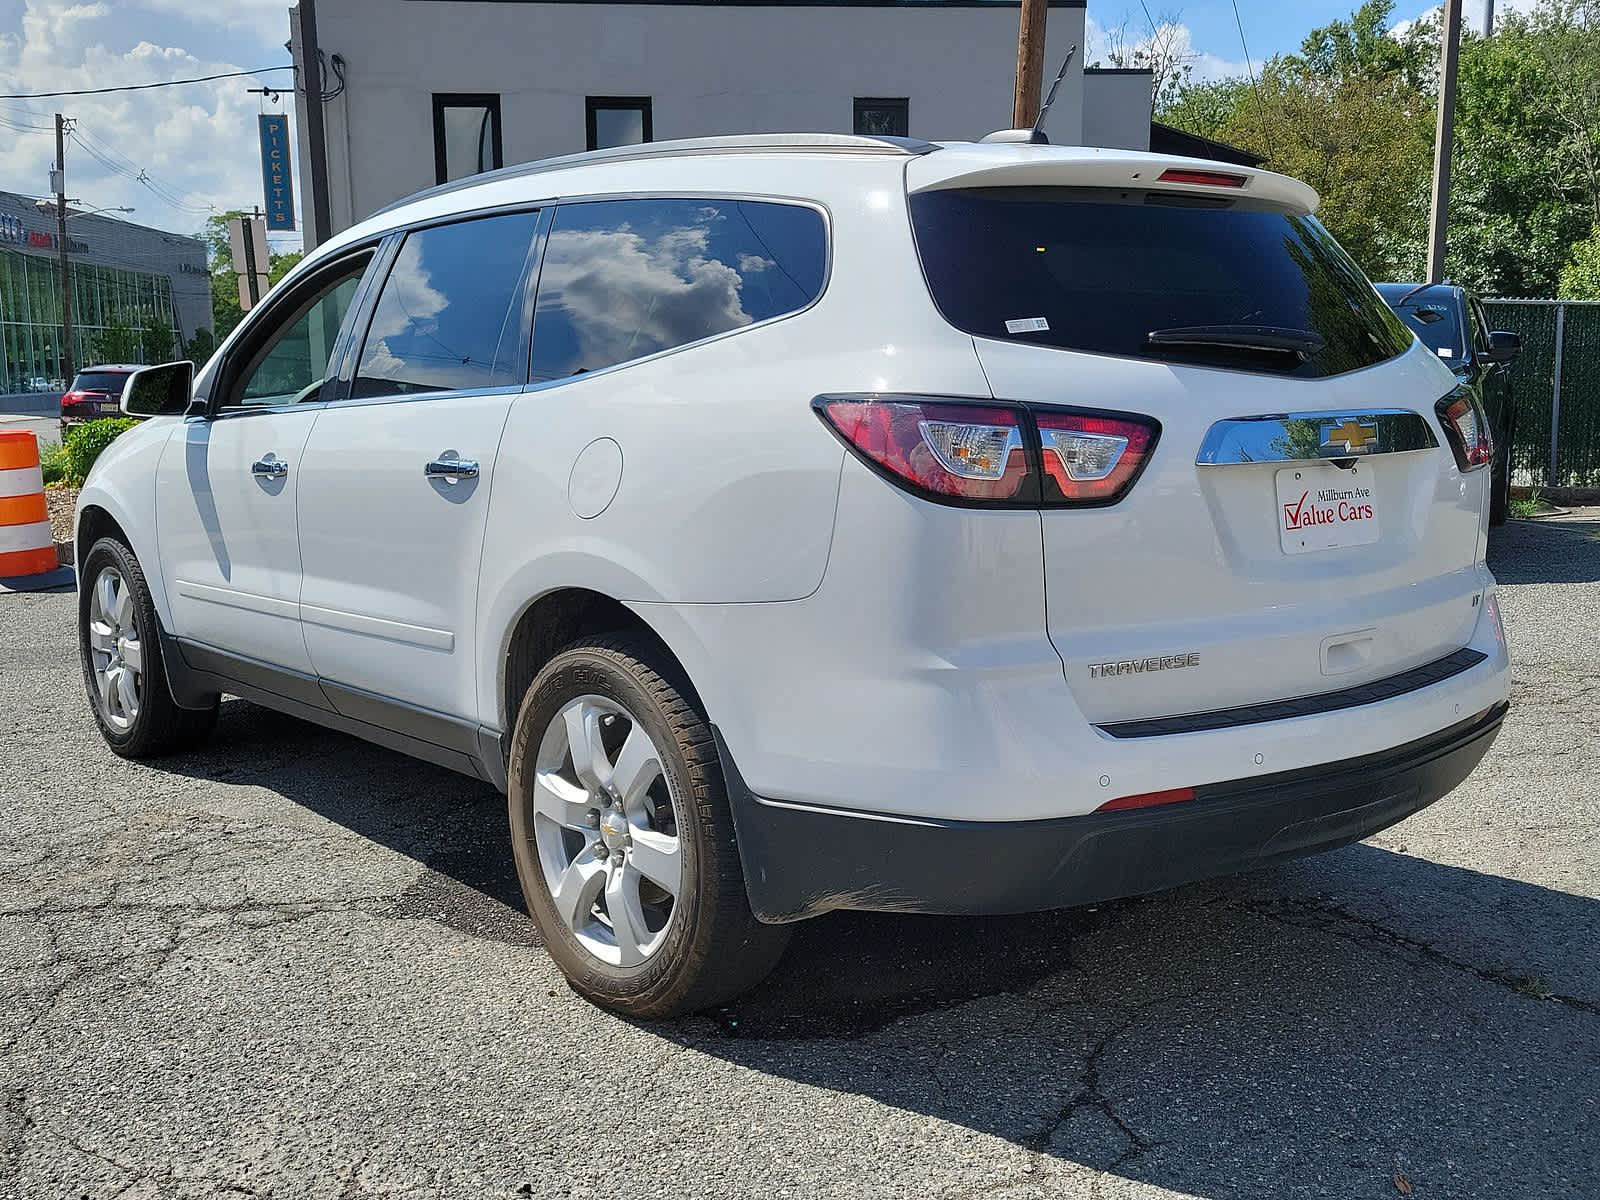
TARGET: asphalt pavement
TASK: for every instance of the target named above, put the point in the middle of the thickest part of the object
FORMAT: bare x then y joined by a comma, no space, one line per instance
296,965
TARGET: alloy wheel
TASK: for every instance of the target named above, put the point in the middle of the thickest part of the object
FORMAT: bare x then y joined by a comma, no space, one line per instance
605,827
116,651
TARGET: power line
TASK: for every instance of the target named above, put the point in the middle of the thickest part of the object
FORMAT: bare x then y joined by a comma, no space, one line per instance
1261,108
139,87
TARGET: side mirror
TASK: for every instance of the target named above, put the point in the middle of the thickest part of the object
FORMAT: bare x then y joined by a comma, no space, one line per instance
1503,347
159,391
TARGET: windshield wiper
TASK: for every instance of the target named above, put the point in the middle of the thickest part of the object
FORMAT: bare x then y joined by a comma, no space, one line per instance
1300,342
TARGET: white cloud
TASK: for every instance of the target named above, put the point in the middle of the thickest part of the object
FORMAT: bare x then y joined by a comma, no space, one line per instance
1471,14
1170,38
197,142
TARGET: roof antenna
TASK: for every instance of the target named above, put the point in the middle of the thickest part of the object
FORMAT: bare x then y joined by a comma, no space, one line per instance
1036,135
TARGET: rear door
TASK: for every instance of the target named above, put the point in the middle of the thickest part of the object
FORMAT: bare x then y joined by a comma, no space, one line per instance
398,475
1245,564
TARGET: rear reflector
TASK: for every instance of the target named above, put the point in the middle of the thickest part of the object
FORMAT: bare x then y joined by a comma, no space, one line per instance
1147,800
1204,178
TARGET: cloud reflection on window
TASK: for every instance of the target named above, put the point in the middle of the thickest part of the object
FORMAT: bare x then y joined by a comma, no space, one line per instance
623,279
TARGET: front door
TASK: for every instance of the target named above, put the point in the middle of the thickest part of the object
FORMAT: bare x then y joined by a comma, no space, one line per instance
398,474
228,483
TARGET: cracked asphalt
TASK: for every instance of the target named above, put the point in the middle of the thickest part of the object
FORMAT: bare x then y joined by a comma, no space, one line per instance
296,965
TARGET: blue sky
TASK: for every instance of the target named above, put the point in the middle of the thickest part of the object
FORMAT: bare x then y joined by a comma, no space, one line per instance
196,144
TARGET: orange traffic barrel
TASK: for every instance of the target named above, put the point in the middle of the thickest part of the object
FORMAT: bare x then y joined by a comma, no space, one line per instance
26,546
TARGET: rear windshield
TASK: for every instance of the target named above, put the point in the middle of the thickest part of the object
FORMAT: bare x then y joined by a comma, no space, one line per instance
1102,270
109,382
1435,322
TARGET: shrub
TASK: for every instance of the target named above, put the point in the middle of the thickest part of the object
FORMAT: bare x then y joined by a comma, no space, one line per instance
86,442
53,461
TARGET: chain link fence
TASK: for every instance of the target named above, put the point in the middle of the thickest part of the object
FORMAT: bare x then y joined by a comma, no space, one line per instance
1556,383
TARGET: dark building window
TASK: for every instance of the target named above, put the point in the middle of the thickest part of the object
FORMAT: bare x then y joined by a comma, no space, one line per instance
466,134
883,116
622,279
617,121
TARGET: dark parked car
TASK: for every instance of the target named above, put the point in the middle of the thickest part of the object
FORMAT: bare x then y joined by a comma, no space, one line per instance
96,392
1451,322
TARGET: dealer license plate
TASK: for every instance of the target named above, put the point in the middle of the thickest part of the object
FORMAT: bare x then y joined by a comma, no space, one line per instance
1321,507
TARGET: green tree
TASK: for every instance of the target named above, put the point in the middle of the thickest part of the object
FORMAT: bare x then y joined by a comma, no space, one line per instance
200,347
1352,113
1580,278
118,342
155,341
226,311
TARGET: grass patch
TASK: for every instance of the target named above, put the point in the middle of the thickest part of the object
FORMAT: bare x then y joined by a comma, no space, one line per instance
1528,506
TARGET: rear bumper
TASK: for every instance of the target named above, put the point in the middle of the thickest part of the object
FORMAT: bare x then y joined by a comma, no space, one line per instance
801,860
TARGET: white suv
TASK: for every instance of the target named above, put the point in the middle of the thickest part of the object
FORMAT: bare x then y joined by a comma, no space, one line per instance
798,523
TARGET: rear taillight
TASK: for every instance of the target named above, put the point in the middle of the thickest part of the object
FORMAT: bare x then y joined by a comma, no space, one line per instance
72,401
975,452
1467,429
1091,459
954,451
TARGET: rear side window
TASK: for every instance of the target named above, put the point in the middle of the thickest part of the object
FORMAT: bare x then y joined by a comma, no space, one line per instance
1435,320
451,315
1101,271
109,382
625,278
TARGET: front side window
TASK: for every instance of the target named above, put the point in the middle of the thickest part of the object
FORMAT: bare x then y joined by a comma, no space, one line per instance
625,278
883,116
451,316
1155,275
291,364
466,135
618,121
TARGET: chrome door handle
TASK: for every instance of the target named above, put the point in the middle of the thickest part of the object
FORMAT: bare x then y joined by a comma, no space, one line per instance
451,469
269,468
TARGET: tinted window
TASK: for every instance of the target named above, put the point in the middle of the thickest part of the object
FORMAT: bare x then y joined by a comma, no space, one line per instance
1437,323
293,361
451,313
109,382
1101,271
626,278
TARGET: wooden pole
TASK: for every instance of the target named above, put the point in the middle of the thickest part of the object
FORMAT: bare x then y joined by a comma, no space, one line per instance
316,138
1030,63
1444,142
67,357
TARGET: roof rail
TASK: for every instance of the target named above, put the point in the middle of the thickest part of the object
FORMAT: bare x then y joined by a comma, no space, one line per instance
743,143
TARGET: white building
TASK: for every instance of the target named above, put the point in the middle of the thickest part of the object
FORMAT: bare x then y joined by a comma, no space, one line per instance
422,91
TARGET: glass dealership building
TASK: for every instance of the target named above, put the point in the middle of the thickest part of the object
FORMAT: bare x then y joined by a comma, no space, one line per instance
118,269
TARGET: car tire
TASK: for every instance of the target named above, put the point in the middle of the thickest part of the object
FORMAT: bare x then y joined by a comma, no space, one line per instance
597,828
119,645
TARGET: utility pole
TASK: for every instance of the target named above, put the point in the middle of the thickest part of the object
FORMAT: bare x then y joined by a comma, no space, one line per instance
1030,63
1488,18
316,135
67,365
1444,140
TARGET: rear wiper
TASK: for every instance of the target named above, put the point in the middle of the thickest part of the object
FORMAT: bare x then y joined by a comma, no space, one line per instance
1300,342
